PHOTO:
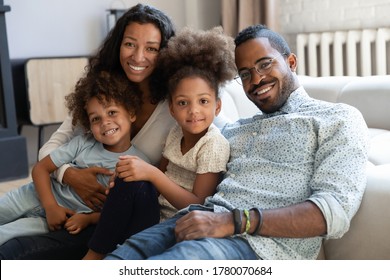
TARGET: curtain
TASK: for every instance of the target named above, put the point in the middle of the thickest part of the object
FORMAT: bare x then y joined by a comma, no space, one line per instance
238,14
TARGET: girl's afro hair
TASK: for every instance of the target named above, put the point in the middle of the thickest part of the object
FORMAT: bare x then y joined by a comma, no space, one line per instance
192,51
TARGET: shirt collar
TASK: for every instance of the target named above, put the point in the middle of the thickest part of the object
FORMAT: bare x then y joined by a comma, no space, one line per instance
295,100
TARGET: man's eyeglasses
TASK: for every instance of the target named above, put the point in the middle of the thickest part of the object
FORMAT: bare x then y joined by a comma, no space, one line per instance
262,67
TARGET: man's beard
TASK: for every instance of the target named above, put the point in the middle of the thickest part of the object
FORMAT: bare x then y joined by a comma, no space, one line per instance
288,86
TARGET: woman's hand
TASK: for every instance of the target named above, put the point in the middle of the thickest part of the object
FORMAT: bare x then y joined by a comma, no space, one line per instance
201,224
85,184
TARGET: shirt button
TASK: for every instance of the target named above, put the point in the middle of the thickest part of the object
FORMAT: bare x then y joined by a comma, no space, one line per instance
232,175
221,194
254,133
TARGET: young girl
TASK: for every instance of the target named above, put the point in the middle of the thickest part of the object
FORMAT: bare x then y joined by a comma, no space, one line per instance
195,153
102,105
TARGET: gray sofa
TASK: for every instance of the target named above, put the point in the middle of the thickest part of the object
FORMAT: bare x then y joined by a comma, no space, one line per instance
369,234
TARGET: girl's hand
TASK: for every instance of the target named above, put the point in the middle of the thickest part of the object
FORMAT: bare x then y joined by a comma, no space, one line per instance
132,168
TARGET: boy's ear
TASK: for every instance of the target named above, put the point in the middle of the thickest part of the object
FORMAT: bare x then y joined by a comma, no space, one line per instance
218,107
133,117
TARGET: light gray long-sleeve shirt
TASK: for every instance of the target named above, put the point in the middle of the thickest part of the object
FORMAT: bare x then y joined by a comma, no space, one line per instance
308,150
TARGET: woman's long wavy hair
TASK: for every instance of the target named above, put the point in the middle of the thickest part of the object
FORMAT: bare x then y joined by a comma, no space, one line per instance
107,58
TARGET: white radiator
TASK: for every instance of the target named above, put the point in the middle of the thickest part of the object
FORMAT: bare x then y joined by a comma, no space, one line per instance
344,53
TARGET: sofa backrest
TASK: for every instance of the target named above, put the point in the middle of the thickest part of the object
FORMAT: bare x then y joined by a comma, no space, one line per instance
235,104
370,95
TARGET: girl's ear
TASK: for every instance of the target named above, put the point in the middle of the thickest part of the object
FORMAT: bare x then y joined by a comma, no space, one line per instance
218,106
171,109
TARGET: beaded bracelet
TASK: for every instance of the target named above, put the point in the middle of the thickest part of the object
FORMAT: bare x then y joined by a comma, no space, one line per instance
260,223
237,219
248,221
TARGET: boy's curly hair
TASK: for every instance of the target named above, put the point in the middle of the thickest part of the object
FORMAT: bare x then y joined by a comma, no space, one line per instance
106,88
205,54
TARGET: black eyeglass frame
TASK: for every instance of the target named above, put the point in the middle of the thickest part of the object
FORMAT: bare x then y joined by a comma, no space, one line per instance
262,67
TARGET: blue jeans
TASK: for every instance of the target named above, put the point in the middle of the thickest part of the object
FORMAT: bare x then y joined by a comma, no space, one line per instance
21,214
54,245
131,207
158,243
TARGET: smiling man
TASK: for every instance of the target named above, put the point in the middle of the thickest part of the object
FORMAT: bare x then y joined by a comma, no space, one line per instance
296,173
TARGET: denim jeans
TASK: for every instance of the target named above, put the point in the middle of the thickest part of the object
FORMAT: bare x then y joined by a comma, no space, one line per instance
54,245
158,243
21,214
129,208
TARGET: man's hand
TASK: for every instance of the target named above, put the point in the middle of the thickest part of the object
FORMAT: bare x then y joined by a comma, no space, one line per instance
85,184
200,224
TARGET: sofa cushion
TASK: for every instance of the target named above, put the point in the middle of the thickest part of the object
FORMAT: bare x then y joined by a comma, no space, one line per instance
325,88
233,92
379,146
371,96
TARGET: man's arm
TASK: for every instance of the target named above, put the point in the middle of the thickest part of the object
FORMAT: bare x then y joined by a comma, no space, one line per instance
296,221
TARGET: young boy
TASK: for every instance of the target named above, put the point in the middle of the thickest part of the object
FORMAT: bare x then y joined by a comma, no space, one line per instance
105,106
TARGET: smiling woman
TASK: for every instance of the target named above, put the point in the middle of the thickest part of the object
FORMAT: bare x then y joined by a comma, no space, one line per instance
148,31
139,50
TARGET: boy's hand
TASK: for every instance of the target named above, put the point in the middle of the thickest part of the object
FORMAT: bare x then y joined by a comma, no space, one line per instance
77,223
56,216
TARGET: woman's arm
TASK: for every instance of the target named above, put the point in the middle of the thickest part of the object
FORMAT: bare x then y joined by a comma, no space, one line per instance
85,184
61,136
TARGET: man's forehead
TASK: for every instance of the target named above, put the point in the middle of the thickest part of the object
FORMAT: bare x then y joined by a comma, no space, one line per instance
254,49
260,42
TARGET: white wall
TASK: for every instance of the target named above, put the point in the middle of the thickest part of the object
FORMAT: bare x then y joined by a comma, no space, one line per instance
296,16
44,28
50,28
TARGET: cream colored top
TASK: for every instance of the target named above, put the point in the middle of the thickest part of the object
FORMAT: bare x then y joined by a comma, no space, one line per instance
210,154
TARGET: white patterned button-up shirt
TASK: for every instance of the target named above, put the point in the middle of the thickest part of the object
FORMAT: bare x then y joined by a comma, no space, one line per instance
308,150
